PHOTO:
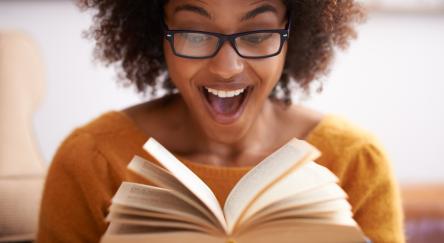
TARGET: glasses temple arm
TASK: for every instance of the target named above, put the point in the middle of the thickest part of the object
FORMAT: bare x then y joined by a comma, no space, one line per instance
287,26
165,26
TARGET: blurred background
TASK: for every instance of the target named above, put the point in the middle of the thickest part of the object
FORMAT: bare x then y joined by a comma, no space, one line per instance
390,82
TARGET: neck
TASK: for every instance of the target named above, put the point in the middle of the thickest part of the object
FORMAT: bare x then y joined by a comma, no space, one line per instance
174,126
258,138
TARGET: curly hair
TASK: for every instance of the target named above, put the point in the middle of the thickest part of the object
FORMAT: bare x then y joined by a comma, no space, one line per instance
130,34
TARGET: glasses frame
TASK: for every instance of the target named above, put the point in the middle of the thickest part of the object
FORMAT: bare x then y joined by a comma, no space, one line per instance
283,33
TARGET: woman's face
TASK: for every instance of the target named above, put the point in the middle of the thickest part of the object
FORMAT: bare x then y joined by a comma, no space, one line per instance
225,120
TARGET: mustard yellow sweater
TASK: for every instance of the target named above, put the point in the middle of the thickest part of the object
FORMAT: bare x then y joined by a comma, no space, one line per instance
91,164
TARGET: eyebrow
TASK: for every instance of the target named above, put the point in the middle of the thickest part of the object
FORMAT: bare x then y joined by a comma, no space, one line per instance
193,8
201,11
262,9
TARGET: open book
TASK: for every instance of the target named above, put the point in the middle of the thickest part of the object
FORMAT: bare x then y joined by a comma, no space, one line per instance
285,198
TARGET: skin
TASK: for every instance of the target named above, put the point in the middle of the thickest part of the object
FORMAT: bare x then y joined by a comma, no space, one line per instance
184,125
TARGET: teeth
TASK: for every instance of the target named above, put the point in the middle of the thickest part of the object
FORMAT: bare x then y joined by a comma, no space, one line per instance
213,91
223,94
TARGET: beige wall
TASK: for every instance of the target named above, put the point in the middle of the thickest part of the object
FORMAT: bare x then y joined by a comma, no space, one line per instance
416,6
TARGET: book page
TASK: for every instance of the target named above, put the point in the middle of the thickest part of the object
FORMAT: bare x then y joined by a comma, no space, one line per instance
118,228
323,208
116,208
317,230
154,199
156,222
124,233
148,221
148,213
291,156
308,177
167,180
186,177
325,193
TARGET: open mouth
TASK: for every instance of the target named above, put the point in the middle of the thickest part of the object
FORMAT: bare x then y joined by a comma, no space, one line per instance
225,106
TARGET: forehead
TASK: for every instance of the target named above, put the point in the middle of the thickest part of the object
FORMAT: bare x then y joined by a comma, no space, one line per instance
222,9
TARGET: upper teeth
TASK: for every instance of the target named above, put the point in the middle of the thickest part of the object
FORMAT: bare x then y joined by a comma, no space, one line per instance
223,94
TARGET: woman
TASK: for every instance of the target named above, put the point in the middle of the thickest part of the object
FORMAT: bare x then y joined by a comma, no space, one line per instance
232,108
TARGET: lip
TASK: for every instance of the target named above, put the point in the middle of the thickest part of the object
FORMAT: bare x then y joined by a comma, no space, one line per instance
234,116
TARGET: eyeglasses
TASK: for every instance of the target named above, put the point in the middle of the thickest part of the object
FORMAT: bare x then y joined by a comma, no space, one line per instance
252,44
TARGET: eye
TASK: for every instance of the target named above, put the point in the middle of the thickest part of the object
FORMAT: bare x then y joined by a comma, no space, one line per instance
196,38
256,38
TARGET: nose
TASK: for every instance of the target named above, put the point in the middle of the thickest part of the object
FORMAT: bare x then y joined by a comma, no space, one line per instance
226,63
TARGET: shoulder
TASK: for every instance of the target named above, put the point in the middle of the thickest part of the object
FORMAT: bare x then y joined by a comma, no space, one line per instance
108,124
111,138
165,113
336,133
349,150
89,137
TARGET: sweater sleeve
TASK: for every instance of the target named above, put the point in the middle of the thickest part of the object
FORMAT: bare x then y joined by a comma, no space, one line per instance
374,195
77,193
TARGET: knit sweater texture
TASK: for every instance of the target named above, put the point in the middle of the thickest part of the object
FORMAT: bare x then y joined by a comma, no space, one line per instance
90,165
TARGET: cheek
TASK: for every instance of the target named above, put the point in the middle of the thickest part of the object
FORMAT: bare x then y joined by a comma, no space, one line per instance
181,70
269,70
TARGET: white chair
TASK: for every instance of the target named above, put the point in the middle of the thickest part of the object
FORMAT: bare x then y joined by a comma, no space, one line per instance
22,170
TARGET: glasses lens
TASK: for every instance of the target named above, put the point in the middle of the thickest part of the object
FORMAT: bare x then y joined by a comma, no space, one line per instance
258,44
195,44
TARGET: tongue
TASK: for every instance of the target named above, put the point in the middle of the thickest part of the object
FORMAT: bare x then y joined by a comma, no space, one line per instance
225,106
